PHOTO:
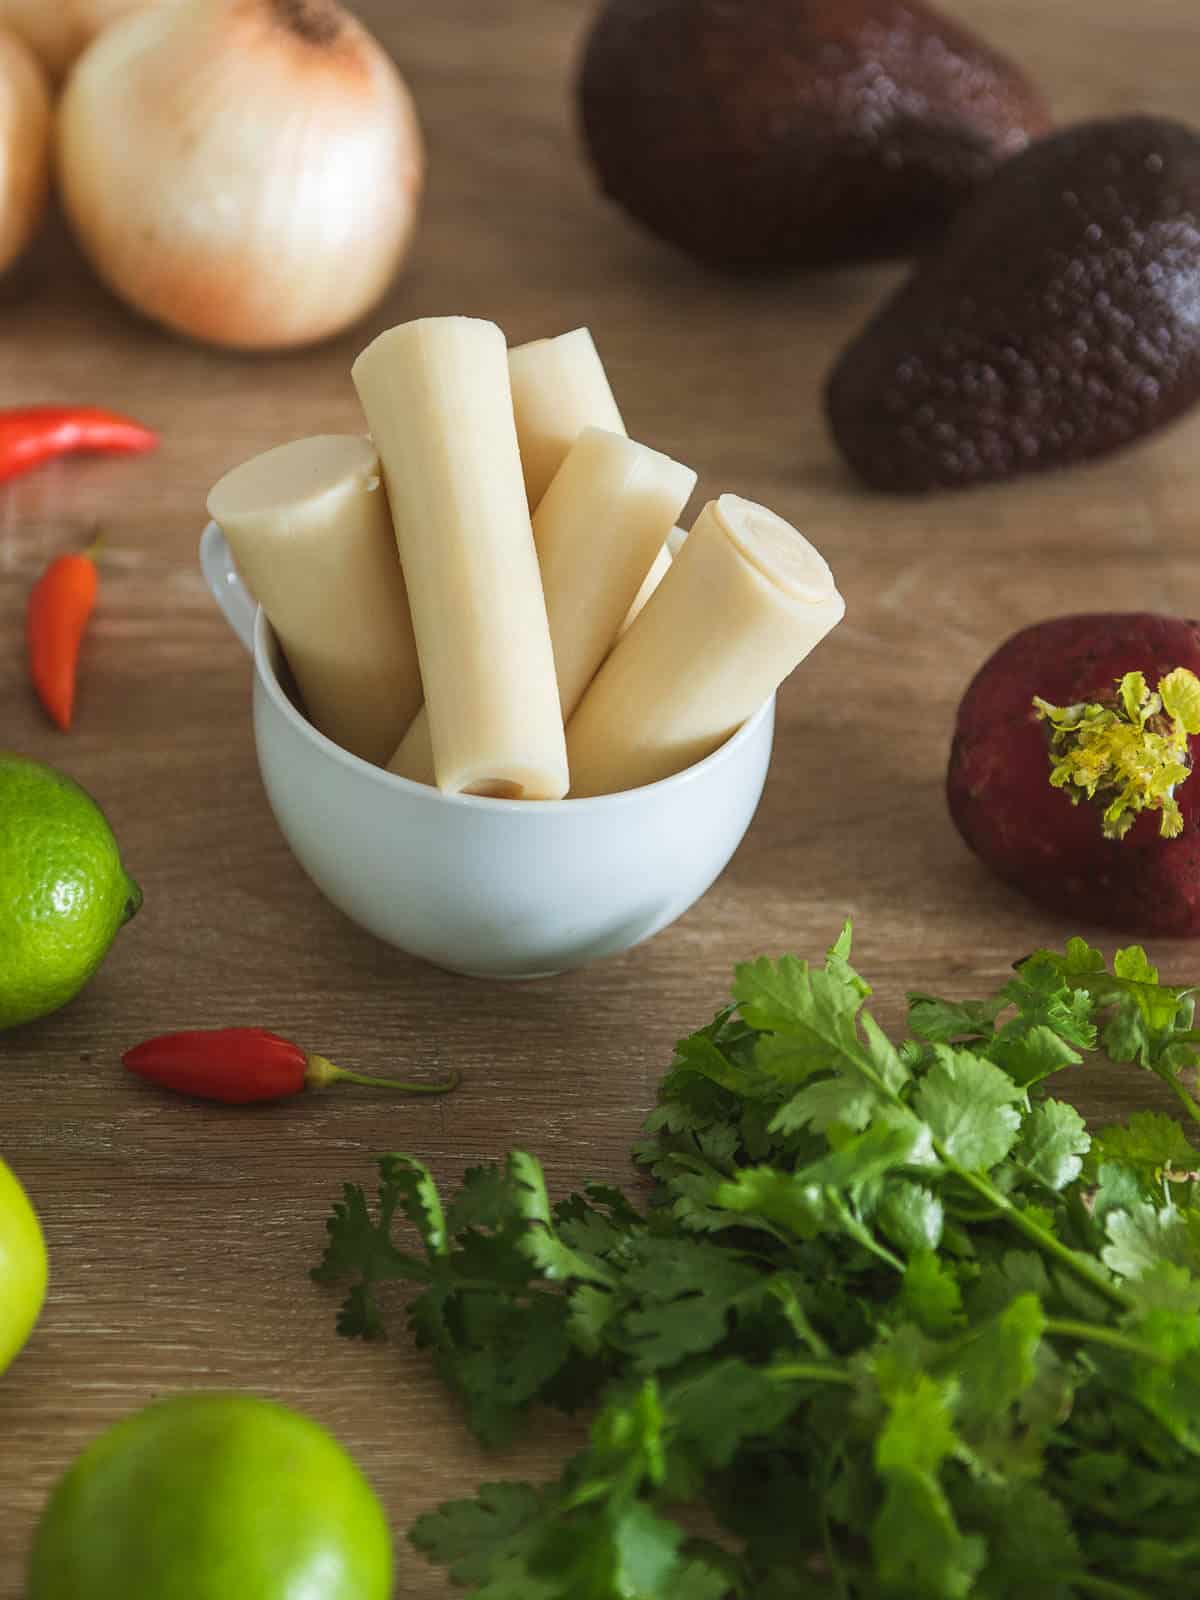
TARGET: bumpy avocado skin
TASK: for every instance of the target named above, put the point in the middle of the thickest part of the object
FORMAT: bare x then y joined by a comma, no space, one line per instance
782,133
1060,322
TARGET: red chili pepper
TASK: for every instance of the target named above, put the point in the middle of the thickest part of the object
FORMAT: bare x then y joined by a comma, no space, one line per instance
238,1066
60,604
30,435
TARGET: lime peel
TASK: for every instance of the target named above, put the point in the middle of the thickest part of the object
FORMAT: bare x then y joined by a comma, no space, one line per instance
212,1493
1130,756
24,1268
64,892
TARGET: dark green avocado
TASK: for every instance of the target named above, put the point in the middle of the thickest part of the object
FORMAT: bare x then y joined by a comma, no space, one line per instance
783,133
1060,321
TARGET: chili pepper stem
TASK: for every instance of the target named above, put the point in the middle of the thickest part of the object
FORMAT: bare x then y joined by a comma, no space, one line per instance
320,1072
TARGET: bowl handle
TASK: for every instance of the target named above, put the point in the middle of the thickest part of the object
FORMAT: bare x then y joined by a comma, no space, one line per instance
225,582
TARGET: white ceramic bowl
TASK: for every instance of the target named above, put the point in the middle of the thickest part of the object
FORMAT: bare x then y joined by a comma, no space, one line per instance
490,888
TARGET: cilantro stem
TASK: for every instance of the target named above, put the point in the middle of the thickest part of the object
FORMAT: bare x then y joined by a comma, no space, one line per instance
967,1214
1095,1333
1082,1266
1106,1588
1181,1094
808,1372
832,1560
861,1234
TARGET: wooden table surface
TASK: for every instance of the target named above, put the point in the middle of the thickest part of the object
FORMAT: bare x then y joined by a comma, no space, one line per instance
181,1236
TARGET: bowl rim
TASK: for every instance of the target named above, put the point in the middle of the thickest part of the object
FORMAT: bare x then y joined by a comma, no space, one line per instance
266,642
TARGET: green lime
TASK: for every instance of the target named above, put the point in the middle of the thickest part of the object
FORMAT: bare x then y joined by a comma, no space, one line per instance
212,1497
63,890
23,1268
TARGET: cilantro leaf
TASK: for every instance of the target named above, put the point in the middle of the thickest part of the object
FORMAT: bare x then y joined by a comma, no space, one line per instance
1032,1551
1150,1143
999,1363
911,1215
823,1104
1134,966
725,1404
361,1247
498,1352
919,1549
470,1537
591,1318
1015,1273
483,1196
697,1579
1143,1020
643,1549
1145,1236
814,1018
411,1182
683,1295
1052,1145
1032,1053
931,1296
952,1021
1045,996
1119,1188
703,1057
1166,1286
968,1104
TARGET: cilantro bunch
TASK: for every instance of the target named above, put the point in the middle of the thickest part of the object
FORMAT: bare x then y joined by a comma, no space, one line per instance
891,1324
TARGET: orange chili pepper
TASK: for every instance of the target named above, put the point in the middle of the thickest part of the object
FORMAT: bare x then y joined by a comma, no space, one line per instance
59,607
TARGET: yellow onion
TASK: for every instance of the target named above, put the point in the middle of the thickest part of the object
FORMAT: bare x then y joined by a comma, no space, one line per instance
24,146
244,171
57,30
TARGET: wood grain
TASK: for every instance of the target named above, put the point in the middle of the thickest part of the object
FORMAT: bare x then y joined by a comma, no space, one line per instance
181,1236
